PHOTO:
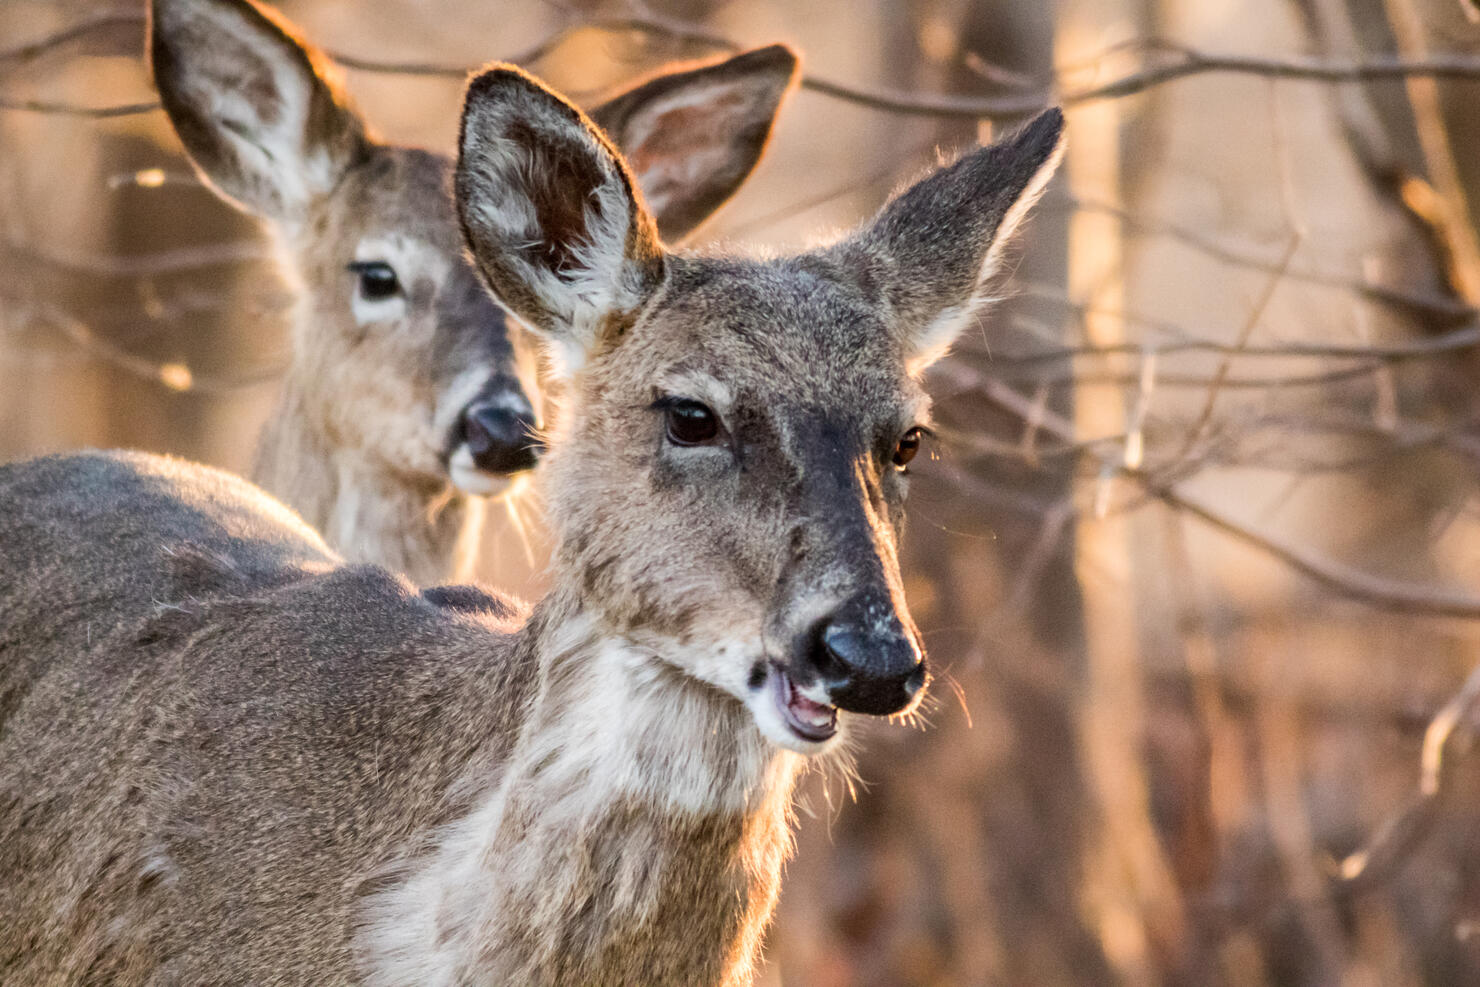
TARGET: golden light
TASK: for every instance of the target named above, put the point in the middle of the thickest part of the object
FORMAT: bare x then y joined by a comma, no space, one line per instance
176,376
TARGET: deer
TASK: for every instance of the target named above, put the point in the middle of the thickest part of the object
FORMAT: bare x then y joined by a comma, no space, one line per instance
228,756
408,399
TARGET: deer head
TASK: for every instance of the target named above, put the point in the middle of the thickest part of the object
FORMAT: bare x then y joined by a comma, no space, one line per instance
728,484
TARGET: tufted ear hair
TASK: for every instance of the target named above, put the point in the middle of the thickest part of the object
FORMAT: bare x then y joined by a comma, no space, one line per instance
931,252
552,216
258,110
692,136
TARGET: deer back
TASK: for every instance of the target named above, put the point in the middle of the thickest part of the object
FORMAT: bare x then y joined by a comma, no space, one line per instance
212,725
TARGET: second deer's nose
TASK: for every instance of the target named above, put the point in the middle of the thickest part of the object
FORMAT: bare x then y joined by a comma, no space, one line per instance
501,439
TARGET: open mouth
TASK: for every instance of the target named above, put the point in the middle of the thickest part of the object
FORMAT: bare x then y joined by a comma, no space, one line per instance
811,721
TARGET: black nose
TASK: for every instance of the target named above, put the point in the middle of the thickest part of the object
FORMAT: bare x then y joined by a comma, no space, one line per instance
868,660
501,439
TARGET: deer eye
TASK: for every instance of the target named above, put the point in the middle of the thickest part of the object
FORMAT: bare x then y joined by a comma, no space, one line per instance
690,423
378,280
908,445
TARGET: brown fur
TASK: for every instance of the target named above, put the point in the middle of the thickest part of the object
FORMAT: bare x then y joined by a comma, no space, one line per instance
226,757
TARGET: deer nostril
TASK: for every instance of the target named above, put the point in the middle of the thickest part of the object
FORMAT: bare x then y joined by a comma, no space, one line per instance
501,439
845,648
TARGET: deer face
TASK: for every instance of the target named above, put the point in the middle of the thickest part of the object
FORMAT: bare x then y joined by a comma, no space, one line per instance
728,487
398,352
733,489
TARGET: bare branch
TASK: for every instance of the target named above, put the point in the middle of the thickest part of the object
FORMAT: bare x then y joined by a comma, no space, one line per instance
1200,427
1186,62
1195,62
1453,341
1405,830
82,29
1192,62
690,37
1182,380
1433,306
140,265
1389,594
172,376
46,108
1447,210
1349,582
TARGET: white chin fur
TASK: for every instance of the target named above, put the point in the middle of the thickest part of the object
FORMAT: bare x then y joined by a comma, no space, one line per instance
773,726
470,479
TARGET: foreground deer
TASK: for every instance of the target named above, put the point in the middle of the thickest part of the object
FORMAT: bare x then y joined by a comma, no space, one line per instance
403,376
225,757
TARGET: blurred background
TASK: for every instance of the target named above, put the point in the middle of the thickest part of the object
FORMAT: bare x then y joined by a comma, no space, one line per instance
1197,548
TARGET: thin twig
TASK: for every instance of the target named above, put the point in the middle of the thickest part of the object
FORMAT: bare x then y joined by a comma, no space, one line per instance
43,46
1200,426
1428,304
1326,70
159,262
172,376
1454,341
1404,831
1349,582
1390,594
689,36
47,108
1165,379
1188,62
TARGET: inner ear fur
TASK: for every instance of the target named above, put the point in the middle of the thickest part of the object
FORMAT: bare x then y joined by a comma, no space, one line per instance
693,134
551,213
259,110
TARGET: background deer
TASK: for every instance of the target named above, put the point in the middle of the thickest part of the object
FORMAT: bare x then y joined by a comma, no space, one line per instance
226,757
404,375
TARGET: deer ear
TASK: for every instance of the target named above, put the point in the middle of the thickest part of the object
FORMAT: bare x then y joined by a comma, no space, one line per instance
551,215
933,250
256,108
693,136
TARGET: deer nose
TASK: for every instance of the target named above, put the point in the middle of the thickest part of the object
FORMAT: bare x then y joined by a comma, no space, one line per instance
868,661
501,439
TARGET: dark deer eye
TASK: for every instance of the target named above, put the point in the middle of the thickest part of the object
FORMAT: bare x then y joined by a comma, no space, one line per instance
909,444
378,280
690,423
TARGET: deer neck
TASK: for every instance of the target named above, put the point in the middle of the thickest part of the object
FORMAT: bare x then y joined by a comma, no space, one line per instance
635,834
366,512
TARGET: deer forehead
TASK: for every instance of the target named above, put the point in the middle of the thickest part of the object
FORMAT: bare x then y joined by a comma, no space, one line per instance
395,208
762,337
396,191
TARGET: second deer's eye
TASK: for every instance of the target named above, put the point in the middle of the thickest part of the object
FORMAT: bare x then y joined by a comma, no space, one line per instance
690,423
378,280
908,445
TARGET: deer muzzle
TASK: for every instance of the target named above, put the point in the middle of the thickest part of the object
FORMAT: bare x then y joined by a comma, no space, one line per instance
502,439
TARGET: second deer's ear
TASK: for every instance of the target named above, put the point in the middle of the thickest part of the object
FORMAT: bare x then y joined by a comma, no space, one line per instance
932,251
550,214
692,137
255,107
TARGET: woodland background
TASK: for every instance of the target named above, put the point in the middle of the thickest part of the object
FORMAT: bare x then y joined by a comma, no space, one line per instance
1199,546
